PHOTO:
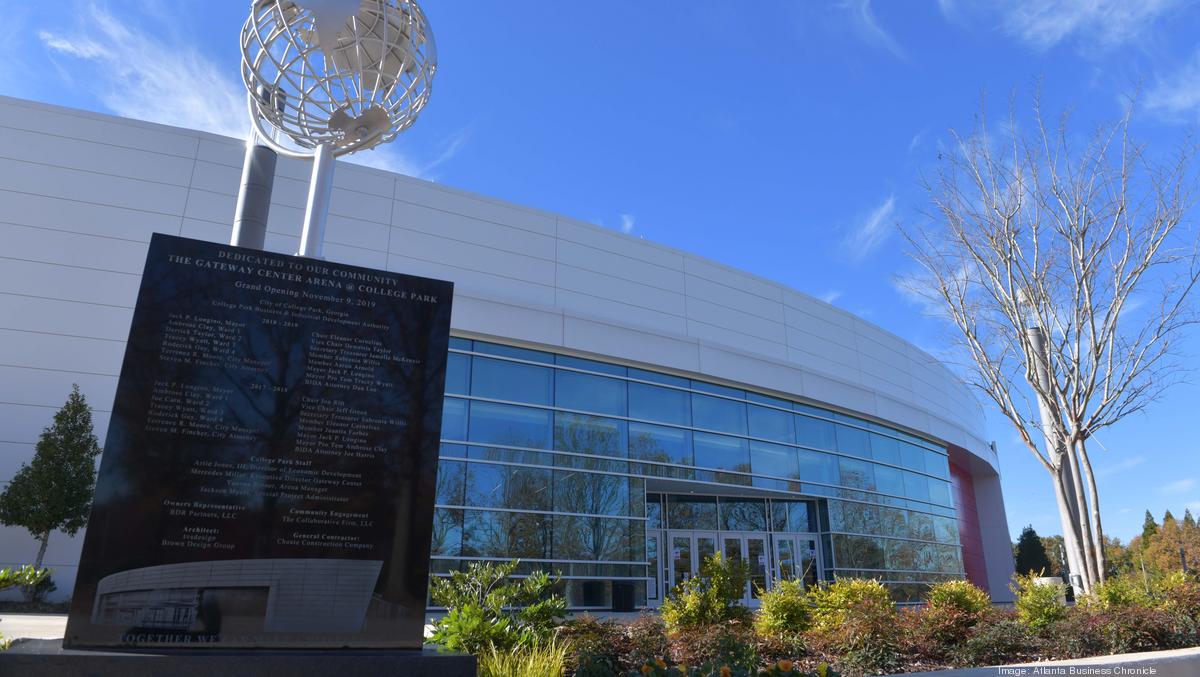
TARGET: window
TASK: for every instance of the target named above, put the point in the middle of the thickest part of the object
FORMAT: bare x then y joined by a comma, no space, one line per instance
771,424
659,443
447,533
721,452
458,374
582,434
590,365
505,535
857,474
691,512
885,449
714,413
800,516
818,467
454,419
912,457
510,425
889,480
939,492
743,514
916,486
585,392
451,483
591,538
815,433
590,493
653,403
511,381
774,459
510,351
853,441
937,465
860,552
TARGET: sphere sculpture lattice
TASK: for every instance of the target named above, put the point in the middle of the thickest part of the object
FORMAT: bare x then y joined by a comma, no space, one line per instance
347,73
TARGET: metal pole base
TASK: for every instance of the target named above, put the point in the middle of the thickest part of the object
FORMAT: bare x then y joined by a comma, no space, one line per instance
316,212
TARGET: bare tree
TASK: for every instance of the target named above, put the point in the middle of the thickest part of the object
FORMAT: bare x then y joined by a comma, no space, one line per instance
1065,265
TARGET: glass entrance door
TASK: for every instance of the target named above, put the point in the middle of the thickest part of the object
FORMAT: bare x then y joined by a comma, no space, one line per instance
751,549
796,557
688,549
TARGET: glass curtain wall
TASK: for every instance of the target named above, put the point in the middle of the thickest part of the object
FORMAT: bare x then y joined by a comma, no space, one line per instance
545,458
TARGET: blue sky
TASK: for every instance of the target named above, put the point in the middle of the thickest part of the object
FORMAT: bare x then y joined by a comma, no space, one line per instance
714,127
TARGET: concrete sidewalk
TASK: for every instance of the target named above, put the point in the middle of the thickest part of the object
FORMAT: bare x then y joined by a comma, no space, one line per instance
32,626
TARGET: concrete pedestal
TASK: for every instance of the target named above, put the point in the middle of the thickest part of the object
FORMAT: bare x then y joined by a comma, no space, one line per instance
47,657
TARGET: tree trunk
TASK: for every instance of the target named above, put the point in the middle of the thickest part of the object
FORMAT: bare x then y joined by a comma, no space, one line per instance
1083,520
1094,496
44,540
1066,517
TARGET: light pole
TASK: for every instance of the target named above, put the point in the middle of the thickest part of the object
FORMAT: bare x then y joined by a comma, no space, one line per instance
342,76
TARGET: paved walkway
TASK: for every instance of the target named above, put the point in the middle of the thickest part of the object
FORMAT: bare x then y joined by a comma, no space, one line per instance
33,626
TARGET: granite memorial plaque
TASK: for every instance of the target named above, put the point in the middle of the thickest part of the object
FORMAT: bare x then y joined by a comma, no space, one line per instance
269,472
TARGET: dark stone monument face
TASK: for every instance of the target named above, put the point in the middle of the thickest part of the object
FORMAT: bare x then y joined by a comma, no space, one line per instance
270,467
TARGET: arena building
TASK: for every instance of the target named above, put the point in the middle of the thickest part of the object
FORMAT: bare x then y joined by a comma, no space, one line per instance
615,409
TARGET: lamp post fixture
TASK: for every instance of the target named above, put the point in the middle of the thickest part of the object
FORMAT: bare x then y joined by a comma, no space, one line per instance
326,78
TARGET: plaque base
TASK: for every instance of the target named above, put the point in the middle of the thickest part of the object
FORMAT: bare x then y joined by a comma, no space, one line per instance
48,657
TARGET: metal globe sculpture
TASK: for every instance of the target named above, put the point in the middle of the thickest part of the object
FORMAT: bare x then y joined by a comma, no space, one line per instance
344,74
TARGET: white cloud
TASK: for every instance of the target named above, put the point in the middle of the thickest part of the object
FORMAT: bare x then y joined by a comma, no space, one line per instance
1177,95
1178,486
1121,466
831,296
868,27
1094,23
627,223
872,232
152,76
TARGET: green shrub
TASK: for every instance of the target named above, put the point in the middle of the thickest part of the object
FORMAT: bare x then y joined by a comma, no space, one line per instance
833,602
487,610
1091,631
1118,593
1177,593
1038,605
959,595
855,624
540,659
24,575
785,611
998,638
712,597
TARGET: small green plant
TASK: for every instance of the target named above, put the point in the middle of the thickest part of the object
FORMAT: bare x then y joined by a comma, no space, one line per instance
25,576
540,659
1038,605
488,610
785,612
997,639
1177,593
712,597
855,620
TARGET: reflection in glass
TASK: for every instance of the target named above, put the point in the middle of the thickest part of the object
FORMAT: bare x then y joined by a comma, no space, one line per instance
916,486
451,482
756,556
853,441
885,449
815,433
454,419
715,413
860,552
652,558
774,459
593,538
856,474
586,392
706,547
447,533
800,517
771,424
721,452
512,381
458,374
889,480
505,535
510,425
816,466
691,512
743,514
654,403
660,443
584,434
912,457
590,493
502,486
939,492
654,512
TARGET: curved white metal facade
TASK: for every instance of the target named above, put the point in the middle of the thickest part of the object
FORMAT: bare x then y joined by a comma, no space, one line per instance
82,192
